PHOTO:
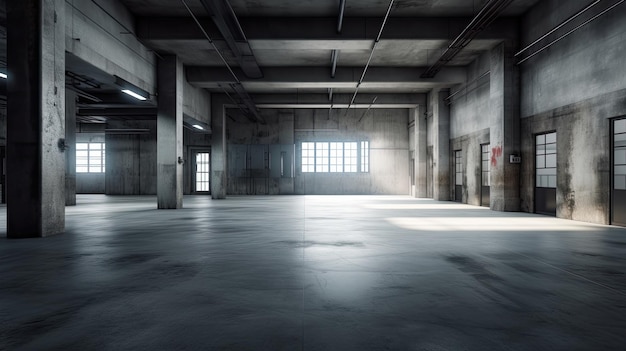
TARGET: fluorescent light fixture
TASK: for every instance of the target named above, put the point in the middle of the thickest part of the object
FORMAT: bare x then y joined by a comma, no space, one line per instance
3,75
133,94
197,126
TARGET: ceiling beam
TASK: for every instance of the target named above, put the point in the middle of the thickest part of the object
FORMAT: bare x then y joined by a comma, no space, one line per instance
317,77
322,28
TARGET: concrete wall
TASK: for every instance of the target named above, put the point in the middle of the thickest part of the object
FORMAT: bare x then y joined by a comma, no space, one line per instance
574,88
387,132
131,159
385,129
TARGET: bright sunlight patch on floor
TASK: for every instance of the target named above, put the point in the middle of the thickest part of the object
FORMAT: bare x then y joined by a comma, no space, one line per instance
485,224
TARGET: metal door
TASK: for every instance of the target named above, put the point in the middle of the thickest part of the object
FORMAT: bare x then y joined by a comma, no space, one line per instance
618,187
545,173
485,174
429,173
458,176
201,177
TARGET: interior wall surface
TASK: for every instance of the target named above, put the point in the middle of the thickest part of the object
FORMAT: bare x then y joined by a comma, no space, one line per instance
388,136
574,88
131,159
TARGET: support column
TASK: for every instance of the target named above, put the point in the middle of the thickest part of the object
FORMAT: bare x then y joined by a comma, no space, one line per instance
36,118
441,144
170,133
505,129
421,148
218,147
70,151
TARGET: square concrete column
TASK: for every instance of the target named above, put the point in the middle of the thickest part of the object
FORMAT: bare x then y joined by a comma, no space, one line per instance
70,151
218,147
441,144
36,118
421,153
170,133
505,129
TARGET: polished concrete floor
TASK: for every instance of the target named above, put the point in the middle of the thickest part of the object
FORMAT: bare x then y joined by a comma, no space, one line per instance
312,273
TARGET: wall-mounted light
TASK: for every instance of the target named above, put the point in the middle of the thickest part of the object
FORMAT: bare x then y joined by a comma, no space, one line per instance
3,75
133,94
197,126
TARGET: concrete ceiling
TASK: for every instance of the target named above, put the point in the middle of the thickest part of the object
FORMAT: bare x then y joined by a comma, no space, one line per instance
319,8
303,33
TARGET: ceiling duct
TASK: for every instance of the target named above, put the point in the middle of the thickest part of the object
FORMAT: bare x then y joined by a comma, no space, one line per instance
485,16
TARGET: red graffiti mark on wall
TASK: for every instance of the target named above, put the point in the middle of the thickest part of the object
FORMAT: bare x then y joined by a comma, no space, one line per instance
496,152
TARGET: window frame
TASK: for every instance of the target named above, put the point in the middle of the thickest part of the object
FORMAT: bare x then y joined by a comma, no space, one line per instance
86,162
334,156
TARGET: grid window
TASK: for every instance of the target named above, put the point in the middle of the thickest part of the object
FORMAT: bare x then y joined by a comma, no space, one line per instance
458,168
545,160
321,157
365,156
336,157
90,157
202,171
308,157
350,157
619,154
486,166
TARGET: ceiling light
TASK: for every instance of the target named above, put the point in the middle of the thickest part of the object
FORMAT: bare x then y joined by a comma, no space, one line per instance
3,75
197,126
133,94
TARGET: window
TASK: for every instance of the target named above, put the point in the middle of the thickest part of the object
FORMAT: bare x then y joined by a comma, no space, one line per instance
485,164
308,157
619,155
335,157
203,175
90,157
458,168
365,156
545,160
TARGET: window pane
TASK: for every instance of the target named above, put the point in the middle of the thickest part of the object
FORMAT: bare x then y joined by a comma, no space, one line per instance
620,182
620,156
541,161
620,140
551,138
82,146
541,139
541,149
551,161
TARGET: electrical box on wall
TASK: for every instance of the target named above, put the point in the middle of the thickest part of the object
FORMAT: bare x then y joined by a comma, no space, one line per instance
515,159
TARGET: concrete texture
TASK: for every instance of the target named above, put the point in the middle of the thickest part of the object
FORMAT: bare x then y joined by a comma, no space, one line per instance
101,33
574,88
218,147
505,129
313,273
36,118
584,65
170,133
440,138
70,151
131,158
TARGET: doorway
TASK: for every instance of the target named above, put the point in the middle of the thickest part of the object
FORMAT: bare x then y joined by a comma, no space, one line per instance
485,174
545,173
201,175
618,171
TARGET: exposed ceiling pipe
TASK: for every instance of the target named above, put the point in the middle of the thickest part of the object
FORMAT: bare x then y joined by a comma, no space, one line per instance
368,109
342,8
380,32
559,26
485,16
334,56
245,97
570,32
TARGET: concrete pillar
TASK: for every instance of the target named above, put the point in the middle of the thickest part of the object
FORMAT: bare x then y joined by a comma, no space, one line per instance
505,129
36,118
421,148
441,144
170,133
218,147
70,151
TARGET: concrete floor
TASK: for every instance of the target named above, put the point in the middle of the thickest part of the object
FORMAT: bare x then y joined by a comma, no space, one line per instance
312,273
